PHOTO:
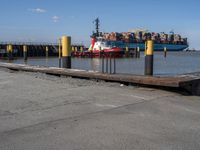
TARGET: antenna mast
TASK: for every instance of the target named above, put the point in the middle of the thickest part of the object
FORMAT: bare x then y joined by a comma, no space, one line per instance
97,24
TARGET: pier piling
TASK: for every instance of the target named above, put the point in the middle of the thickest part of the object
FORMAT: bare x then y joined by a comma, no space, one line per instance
114,62
59,53
102,54
145,49
149,58
127,51
106,64
10,52
165,52
47,52
81,49
25,52
66,51
110,63
73,48
138,52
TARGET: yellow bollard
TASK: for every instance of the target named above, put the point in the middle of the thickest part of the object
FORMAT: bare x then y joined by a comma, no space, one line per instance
126,51
10,52
66,51
73,48
76,49
81,49
25,50
47,51
149,57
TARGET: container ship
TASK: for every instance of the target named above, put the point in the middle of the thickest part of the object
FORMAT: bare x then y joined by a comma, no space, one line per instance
117,42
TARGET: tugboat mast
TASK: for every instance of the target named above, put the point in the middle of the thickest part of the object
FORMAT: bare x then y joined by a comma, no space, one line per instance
97,24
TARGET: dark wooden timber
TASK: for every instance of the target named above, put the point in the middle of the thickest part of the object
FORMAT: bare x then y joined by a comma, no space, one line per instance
33,49
188,82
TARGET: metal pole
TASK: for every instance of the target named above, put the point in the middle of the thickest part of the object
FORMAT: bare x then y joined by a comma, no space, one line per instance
106,64
59,52
110,63
114,65
102,62
145,50
127,51
165,52
138,52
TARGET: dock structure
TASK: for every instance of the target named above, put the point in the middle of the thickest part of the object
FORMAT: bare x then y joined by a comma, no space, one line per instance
34,49
188,83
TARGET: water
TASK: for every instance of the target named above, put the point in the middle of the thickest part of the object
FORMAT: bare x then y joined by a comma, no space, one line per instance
175,63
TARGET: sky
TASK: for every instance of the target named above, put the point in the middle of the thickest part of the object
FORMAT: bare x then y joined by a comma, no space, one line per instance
48,20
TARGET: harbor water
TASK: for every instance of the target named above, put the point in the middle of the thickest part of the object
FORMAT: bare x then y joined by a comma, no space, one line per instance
175,63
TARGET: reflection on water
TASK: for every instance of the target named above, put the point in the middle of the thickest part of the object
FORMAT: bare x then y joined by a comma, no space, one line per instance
95,64
175,63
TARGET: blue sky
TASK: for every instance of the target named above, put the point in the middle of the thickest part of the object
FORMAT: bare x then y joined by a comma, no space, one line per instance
47,20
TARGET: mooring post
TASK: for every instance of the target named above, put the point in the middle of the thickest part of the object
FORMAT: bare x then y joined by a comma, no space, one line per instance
165,52
76,49
81,49
145,49
66,51
25,52
135,53
10,52
47,51
138,52
106,63
59,52
72,48
149,57
114,72
102,54
127,51
110,63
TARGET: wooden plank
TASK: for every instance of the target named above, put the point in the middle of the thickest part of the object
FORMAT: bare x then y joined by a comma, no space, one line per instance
183,81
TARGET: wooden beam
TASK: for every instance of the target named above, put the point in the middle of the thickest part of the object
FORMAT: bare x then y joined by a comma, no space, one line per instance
188,82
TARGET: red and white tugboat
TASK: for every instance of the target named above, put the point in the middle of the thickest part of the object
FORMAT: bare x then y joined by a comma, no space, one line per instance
100,46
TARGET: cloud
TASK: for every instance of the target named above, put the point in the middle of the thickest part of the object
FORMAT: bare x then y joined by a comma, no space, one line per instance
55,18
38,10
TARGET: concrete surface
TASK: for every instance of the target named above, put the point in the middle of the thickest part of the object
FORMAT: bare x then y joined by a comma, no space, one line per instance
41,112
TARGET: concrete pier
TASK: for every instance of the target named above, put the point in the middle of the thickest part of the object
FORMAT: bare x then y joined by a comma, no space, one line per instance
39,111
188,83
